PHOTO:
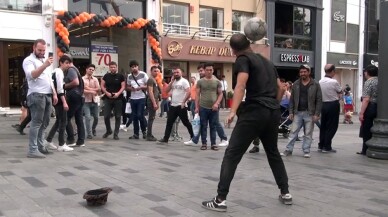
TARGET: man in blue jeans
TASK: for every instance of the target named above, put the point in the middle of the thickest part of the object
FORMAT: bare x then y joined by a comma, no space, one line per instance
305,108
137,84
91,90
40,97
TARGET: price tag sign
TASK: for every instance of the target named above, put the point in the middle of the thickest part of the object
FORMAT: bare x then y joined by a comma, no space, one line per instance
102,55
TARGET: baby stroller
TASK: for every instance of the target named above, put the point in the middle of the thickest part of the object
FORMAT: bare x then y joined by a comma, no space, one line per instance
284,122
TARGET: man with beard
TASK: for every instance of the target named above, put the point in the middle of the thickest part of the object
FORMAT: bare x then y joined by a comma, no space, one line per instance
40,97
304,107
180,93
152,101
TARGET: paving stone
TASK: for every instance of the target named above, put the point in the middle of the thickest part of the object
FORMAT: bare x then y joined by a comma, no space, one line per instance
7,173
128,170
165,211
82,168
167,170
168,163
67,191
153,197
66,174
15,161
106,162
34,182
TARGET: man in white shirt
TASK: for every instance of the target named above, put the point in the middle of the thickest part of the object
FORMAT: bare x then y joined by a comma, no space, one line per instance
180,93
41,95
137,84
224,87
331,93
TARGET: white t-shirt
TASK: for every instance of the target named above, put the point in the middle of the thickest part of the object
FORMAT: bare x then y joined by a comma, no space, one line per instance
178,91
330,89
142,79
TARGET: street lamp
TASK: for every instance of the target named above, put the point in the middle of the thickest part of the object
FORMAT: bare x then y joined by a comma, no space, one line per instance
378,145
199,31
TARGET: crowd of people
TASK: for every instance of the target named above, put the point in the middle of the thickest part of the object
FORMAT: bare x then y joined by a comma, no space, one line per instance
129,100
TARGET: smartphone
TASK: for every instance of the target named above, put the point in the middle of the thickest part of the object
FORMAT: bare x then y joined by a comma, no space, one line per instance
51,54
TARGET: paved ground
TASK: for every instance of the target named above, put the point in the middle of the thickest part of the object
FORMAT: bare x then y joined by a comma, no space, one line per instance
153,180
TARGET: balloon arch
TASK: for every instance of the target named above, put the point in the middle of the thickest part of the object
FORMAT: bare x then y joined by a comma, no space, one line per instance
65,18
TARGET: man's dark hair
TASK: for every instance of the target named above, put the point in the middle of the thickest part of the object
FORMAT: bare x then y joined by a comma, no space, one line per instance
154,67
65,58
372,70
239,42
201,66
133,63
330,69
113,63
305,66
39,41
91,65
177,67
208,65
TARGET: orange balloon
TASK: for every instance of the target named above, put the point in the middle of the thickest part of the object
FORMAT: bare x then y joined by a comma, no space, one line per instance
57,21
61,13
77,19
57,30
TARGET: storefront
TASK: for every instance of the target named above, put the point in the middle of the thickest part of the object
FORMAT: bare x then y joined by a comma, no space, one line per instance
371,59
346,72
188,54
295,35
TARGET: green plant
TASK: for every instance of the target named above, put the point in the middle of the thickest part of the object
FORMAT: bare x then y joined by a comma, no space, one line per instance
229,95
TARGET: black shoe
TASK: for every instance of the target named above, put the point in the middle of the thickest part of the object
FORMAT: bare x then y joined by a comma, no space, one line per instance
298,139
19,129
90,137
94,133
361,153
44,150
134,137
16,125
215,205
254,149
107,134
286,199
116,137
329,151
162,142
144,135
151,138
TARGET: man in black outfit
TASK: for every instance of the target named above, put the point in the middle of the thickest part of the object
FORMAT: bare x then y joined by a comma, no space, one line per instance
258,77
112,85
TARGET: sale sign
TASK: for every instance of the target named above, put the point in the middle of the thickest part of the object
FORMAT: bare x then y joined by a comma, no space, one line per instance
102,55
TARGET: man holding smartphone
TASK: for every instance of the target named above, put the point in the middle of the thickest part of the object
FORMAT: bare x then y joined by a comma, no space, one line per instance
40,97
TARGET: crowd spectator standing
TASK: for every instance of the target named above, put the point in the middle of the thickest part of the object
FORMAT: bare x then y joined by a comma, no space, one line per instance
41,95
74,86
331,93
112,85
164,105
180,93
368,110
193,93
137,84
305,108
61,107
152,101
91,91
224,87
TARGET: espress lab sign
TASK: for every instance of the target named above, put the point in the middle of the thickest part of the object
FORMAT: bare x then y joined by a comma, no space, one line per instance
294,58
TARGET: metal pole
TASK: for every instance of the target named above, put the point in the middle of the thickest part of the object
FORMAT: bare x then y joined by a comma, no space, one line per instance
378,145
90,35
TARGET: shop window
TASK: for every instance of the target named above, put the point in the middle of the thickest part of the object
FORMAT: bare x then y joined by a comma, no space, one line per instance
169,65
34,6
176,18
239,19
293,27
211,21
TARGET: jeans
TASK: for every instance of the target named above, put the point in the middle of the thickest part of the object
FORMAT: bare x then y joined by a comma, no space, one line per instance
192,107
329,124
75,103
116,105
301,119
164,106
90,110
138,106
60,125
151,118
26,120
248,127
173,113
40,108
223,101
219,128
208,116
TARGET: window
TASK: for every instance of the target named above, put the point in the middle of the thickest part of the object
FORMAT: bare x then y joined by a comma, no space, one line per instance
293,27
239,19
211,18
34,6
176,14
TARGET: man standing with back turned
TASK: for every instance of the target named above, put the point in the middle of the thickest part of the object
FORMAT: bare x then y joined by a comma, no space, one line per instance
259,78
331,93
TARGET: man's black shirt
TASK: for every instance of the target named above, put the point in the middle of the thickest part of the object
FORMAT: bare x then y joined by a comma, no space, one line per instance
261,86
113,82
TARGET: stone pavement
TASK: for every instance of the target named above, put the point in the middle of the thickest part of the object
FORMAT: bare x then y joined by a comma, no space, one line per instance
172,180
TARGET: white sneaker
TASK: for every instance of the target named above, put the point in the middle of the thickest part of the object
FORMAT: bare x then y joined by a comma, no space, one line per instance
307,155
72,144
51,146
122,126
125,129
223,143
65,148
189,143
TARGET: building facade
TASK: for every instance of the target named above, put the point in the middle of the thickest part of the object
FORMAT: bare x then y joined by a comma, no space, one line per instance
372,16
196,31
295,36
343,43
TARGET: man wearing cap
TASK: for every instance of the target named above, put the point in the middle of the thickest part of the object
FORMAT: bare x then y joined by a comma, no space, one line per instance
305,108
331,93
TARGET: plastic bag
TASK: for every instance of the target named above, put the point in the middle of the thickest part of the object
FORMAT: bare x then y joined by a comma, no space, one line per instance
128,109
196,123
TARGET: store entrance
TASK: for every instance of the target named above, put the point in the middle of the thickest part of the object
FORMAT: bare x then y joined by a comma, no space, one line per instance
16,51
81,65
290,73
